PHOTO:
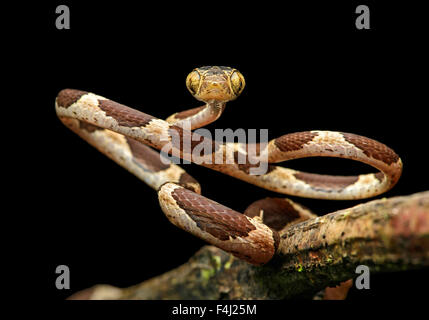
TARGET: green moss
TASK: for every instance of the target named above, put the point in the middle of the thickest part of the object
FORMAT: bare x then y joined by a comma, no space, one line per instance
217,262
206,274
229,262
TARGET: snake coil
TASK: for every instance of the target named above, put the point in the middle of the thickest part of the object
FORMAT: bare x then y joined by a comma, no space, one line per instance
126,136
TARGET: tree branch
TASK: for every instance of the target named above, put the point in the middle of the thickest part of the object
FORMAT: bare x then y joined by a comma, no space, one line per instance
386,235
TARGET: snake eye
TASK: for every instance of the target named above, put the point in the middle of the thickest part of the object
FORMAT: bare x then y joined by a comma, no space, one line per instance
237,82
193,82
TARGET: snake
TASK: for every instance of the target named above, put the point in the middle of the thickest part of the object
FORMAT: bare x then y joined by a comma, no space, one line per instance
134,139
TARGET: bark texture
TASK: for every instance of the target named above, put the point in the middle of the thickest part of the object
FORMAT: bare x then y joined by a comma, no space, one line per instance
386,235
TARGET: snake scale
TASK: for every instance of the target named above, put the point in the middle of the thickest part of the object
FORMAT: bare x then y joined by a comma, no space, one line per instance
129,137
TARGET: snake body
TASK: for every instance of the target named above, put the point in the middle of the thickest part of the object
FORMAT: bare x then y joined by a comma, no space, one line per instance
127,136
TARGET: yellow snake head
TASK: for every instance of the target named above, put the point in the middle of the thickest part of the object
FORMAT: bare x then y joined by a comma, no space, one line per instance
215,83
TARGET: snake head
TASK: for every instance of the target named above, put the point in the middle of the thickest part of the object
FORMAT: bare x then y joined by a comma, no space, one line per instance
215,83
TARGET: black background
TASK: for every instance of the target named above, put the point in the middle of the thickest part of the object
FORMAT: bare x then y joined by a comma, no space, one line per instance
306,66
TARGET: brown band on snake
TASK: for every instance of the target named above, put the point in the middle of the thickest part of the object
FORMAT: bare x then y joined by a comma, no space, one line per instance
146,156
188,113
125,116
189,182
67,97
277,212
379,176
88,127
212,217
244,237
294,141
372,148
245,167
326,181
178,135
